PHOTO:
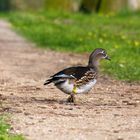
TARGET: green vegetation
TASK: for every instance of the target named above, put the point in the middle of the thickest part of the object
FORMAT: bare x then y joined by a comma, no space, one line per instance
119,34
4,131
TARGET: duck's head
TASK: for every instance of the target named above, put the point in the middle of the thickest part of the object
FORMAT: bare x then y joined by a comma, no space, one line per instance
96,56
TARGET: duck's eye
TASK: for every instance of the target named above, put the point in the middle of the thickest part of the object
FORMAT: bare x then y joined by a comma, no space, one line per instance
103,52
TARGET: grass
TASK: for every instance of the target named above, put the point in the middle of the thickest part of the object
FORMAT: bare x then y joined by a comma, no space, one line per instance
119,34
4,131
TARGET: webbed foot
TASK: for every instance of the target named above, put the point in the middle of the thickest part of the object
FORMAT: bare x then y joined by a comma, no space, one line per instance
71,99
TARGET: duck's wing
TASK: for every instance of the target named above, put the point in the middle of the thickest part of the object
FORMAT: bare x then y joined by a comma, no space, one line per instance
68,73
88,76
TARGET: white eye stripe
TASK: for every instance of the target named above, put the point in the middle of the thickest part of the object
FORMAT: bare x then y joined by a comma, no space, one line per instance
102,52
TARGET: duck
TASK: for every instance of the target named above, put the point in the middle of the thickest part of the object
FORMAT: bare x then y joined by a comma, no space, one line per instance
79,79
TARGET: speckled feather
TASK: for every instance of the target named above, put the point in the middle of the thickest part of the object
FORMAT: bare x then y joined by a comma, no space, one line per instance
79,75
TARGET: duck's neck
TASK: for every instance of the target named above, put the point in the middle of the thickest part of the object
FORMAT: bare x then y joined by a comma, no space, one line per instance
94,62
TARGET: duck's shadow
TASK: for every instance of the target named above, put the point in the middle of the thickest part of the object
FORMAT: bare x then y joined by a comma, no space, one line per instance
87,104
57,101
50,101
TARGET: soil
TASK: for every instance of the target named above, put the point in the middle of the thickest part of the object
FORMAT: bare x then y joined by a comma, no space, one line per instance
111,111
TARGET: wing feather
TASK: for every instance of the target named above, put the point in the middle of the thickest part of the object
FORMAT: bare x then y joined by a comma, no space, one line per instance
76,73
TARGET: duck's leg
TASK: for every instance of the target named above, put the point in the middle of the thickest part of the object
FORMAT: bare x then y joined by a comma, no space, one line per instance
71,99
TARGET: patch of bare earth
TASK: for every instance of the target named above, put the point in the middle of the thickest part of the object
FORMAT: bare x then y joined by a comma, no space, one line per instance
111,111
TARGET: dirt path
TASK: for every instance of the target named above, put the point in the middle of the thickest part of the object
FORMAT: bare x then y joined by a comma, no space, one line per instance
110,112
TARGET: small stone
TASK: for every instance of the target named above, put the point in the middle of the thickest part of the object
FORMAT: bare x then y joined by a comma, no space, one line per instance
118,107
70,108
11,93
116,131
120,139
26,113
116,115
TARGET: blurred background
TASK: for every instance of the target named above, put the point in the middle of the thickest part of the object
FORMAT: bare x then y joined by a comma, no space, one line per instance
86,6
81,26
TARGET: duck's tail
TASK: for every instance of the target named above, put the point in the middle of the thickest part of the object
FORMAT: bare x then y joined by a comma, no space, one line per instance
48,81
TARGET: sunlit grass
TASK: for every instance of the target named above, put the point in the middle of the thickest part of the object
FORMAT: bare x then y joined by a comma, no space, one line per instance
4,131
118,34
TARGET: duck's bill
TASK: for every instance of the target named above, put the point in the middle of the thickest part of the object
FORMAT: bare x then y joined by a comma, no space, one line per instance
107,57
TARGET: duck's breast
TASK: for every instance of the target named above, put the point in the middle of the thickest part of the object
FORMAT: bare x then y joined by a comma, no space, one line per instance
87,87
